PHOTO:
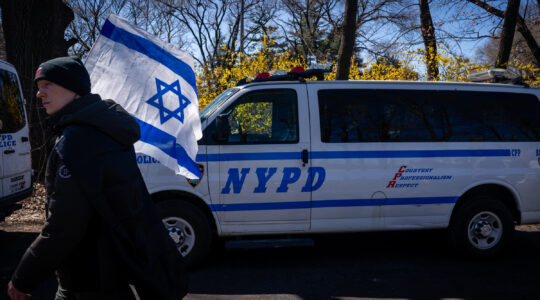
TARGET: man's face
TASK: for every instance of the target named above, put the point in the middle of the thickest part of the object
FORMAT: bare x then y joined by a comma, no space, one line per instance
53,96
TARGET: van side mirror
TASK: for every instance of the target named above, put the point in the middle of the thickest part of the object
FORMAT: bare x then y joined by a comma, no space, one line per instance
223,128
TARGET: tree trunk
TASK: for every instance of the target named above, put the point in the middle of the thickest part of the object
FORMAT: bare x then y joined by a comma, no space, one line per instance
430,41
348,37
521,27
242,27
507,34
34,32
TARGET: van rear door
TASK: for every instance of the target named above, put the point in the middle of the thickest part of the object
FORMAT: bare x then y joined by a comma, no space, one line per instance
14,141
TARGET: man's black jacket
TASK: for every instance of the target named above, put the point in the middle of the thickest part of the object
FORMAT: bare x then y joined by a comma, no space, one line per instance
102,229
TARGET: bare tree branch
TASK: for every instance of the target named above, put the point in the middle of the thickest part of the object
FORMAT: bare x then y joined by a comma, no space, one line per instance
521,27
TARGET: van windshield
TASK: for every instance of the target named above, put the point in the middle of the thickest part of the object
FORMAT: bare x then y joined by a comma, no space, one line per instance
217,103
11,105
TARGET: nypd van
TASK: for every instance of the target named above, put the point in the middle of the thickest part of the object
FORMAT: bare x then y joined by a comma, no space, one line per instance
15,162
289,156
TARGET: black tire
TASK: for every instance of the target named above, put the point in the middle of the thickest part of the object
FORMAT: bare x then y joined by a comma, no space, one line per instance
189,229
482,227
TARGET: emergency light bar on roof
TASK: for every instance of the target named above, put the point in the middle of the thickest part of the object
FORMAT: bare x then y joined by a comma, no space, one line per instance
496,75
296,73
492,74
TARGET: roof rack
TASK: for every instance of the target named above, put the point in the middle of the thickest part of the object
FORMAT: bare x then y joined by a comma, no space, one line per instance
497,75
290,76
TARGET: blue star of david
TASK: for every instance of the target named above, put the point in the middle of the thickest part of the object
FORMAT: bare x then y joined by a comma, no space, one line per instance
157,101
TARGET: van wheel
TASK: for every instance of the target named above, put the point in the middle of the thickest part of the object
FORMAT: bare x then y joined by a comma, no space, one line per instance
188,227
482,227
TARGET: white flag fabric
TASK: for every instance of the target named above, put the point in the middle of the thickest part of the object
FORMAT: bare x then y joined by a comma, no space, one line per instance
155,82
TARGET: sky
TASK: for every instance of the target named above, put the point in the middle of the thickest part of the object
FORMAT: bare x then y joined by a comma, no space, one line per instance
449,17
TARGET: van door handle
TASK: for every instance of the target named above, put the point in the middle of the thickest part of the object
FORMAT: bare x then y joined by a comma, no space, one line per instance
304,157
9,151
24,139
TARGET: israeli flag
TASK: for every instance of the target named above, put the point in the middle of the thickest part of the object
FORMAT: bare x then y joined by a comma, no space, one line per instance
155,82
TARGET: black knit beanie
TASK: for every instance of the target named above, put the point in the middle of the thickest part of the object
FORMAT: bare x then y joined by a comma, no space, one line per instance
68,72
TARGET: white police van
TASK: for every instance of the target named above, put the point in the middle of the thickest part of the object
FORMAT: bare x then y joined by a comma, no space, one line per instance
15,161
293,156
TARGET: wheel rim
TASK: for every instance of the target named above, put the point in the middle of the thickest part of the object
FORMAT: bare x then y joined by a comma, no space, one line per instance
181,233
485,230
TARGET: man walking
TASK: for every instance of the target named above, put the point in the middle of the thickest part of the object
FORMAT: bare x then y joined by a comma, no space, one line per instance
102,235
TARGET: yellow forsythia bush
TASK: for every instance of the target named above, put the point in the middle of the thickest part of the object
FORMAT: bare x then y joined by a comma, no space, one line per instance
212,81
233,67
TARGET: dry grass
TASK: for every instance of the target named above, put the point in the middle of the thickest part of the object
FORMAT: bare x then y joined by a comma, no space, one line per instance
31,216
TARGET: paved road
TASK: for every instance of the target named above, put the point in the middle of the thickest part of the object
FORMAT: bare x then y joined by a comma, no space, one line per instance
389,265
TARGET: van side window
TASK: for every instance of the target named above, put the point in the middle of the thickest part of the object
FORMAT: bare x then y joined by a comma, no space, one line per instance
11,104
374,116
423,116
493,117
264,117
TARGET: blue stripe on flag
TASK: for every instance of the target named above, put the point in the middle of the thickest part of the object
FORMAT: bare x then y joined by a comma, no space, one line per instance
151,50
167,143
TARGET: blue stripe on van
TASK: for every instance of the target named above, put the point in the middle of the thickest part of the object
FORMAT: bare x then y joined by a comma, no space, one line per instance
409,153
260,206
250,156
383,202
331,203
354,154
